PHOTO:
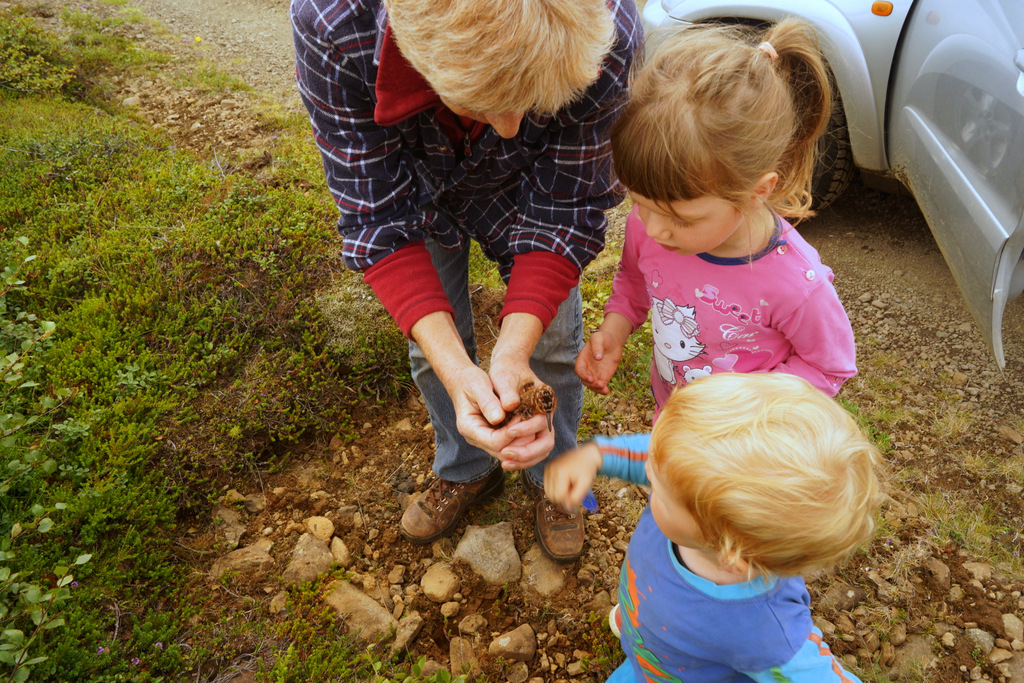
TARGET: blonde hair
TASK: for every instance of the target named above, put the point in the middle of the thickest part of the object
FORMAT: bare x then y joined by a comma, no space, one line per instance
712,111
504,56
775,472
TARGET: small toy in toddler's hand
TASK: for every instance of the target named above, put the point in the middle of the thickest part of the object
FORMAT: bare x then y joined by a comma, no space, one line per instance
534,399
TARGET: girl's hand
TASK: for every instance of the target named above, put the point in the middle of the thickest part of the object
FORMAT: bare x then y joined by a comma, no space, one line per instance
598,360
568,478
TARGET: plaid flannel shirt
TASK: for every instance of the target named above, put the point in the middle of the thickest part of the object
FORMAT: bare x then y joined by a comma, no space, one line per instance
544,190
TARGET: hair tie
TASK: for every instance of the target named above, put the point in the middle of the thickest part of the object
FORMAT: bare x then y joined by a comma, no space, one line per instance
767,48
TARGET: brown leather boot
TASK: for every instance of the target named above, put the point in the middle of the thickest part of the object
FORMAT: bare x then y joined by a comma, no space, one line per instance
559,533
435,512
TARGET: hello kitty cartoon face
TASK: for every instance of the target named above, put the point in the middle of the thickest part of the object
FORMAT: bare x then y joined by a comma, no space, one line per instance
675,331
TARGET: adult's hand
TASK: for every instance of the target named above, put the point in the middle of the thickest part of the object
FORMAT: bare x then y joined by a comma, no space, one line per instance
476,403
529,441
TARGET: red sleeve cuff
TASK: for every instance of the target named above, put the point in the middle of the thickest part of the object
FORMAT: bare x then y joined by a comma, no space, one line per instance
539,283
408,286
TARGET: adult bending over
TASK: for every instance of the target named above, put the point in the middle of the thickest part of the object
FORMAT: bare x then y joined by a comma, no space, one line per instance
441,122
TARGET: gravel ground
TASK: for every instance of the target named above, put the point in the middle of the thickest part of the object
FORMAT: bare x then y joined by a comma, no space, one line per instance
933,598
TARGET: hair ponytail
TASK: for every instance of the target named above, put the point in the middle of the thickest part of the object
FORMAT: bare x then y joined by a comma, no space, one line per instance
801,65
712,111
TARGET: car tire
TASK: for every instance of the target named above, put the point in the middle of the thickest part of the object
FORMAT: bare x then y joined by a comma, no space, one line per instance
835,168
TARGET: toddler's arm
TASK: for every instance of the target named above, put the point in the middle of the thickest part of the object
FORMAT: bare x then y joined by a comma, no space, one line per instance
568,477
600,356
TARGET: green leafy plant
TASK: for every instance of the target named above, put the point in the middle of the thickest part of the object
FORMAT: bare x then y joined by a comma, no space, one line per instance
29,607
31,61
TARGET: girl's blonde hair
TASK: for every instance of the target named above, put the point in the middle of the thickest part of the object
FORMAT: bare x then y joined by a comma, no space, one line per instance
711,112
774,472
505,56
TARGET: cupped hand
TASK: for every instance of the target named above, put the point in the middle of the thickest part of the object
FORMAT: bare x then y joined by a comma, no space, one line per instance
478,409
531,442
597,361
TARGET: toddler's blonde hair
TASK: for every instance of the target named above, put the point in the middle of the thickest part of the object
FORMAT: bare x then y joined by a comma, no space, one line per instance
711,113
775,472
504,56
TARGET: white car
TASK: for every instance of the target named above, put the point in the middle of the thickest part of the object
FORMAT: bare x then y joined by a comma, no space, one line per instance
933,97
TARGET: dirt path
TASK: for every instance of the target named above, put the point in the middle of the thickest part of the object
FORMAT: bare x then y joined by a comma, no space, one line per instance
250,39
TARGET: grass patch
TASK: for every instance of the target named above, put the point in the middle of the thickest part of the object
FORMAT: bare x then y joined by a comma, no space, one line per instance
958,520
186,347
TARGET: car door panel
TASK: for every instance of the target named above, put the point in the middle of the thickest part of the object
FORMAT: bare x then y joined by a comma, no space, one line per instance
957,141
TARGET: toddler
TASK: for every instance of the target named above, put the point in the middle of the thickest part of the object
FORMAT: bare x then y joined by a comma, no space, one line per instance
756,480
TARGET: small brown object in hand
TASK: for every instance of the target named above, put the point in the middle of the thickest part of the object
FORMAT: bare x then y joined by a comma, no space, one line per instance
534,399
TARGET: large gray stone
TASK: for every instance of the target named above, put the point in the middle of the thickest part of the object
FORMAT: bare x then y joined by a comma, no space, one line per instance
253,559
364,617
311,559
491,552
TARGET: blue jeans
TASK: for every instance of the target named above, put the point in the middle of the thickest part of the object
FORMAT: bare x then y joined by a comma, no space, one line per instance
553,361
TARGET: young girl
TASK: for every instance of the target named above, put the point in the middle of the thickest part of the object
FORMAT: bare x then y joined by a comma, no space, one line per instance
717,144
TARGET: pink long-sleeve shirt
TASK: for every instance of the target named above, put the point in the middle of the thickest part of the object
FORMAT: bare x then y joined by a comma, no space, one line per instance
774,312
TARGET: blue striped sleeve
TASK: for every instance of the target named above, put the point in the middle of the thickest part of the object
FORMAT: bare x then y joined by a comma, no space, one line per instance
624,456
812,663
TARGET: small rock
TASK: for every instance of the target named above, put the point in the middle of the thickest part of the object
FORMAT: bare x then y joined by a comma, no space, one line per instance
229,525
439,583
408,629
1013,627
982,639
311,559
255,502
519,673
939,571
981,571
1008,433
843,597
233,497
541,573
397,574
473,623
248,561
888,654
321,527
461,657
491,552
340,552
519,645
364,617
278,603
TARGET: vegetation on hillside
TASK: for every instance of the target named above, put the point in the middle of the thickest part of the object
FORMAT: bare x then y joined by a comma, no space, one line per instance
160,333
